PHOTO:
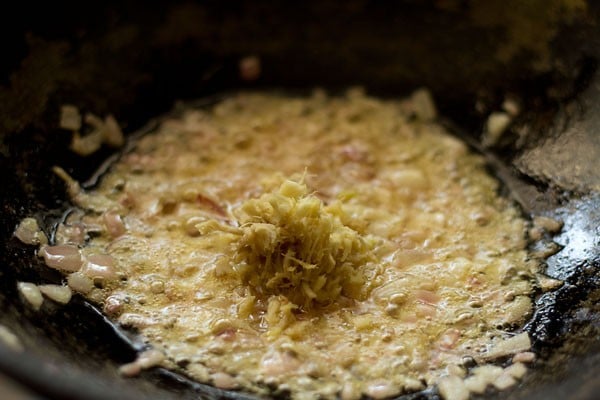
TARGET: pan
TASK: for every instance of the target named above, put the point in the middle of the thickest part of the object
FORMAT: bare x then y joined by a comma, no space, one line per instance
136,60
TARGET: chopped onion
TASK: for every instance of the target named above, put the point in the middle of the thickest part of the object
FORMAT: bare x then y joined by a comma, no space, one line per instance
31,293
449,339
9,339
113,136
278,363
504,381
548,224
150,358
114,224
100,266
136,320
57,293
453,388
350,392
381,389
223,380
476,384
426,296
113,305
70,234
547,283
515,344
147,359
29,232
80,283
482,377
517,370
496,125
64,257
130,369
524,357
157,287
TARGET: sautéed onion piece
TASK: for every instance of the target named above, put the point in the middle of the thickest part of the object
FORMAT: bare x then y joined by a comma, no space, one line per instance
330,246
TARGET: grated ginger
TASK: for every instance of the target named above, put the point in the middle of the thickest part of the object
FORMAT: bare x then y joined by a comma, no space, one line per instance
289,243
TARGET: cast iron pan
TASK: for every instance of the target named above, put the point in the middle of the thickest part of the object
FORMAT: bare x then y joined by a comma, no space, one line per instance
135,60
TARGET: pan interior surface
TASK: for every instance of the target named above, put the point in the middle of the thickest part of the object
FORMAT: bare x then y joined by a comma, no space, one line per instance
158,57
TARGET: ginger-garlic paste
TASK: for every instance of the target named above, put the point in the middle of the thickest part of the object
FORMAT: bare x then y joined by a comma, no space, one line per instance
321,246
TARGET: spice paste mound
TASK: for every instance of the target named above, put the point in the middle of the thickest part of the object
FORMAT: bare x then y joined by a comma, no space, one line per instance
289,243
317,246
